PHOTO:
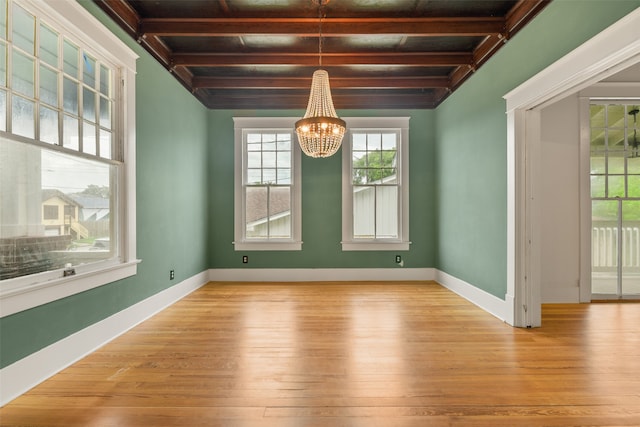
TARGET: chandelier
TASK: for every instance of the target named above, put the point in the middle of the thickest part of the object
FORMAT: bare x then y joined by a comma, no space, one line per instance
320,131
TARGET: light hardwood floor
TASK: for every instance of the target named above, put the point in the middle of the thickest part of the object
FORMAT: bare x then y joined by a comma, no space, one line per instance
349,354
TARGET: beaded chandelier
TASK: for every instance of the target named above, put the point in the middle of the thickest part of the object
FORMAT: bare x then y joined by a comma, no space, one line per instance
320,131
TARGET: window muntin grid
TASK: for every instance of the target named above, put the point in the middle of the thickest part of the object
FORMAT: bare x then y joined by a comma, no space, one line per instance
615,157
51,89
268,185
375,184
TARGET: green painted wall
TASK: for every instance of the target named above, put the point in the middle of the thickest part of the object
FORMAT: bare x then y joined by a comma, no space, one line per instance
471,139
172,219
321,202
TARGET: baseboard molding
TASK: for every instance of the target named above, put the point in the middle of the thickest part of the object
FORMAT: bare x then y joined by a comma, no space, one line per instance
486,301
26,373
556,294
319,274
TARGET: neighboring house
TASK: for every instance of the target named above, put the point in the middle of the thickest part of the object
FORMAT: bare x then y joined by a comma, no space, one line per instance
60,215
274,220
92,208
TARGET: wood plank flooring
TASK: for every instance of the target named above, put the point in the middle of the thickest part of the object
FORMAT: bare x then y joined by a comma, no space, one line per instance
349,354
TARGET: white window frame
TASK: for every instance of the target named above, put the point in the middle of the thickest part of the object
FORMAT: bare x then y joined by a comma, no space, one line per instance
402,243
70,19
241,243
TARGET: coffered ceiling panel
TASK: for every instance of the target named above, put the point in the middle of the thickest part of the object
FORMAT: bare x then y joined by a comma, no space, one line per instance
261,54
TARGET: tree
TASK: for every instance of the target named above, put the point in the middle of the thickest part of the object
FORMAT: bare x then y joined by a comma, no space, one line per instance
374,166
96,190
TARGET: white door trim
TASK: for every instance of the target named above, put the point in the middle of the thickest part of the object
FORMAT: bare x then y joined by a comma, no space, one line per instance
607,53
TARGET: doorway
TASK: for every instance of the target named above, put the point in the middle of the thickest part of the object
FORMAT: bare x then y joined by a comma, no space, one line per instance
615,199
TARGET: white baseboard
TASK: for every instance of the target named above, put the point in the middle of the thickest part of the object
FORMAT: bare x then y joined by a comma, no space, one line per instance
490,303
26,373
318,274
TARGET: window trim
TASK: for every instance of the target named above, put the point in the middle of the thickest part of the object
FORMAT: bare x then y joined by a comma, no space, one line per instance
379,244
25,292
242,124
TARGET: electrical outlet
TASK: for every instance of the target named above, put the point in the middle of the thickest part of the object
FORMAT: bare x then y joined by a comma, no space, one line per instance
172,274
398,259
245,259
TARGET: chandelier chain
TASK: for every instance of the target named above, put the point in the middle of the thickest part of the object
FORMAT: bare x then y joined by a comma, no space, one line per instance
320,34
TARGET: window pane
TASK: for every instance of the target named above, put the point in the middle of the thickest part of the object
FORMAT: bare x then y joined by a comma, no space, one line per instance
70,96
105,144
23,74
284,142
268,142
616,186
70,134
254,138
89,70
633,165
374,141
269,159
284,159
254,159
254,176
3,64
387,212
65,213
597,113
3,19
48,86
598,185
256,212
70,59
23,29
89,105
364,212
105,81
616,161
389,141
597,161
359,142
615,116
284,176
105,113
634,185
48,46
89,139
23,122
3,110
268,176
48,125
279,213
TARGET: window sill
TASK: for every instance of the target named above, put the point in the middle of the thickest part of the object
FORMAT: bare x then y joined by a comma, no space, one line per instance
375,245
268,246
17,295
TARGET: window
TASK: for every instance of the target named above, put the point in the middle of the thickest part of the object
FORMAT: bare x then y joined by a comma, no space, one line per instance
66,91
375,184
267,185
50,212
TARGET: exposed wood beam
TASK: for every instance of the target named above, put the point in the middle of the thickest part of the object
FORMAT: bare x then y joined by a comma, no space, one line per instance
336,27
351,101
328,59
122,13
305,82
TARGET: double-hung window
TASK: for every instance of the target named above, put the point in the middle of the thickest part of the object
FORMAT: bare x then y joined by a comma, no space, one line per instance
375,184
67,167
267,185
